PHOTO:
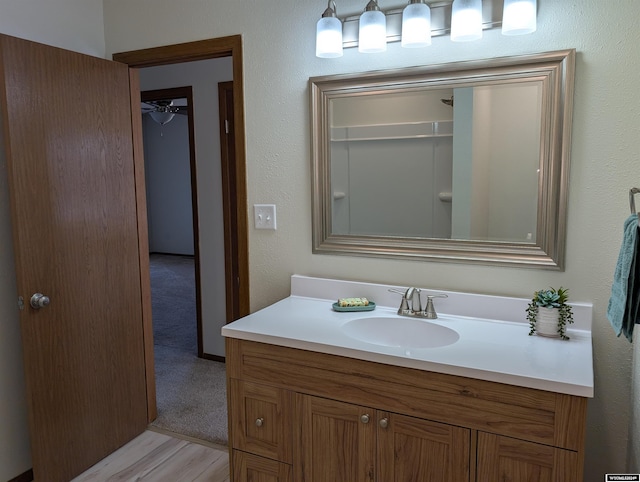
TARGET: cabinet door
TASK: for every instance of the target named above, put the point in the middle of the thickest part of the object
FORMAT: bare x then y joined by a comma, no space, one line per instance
503,459
261,420
336,441
411,449
251,468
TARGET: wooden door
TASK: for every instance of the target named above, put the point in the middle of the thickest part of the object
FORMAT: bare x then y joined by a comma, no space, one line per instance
68,140
411,449
336,441
503,459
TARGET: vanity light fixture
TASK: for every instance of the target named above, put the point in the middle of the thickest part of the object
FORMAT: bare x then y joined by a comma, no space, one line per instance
466,20
372,36
416,24
329,33
519,17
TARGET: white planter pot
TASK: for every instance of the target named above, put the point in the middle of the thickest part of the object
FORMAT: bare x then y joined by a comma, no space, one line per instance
547,322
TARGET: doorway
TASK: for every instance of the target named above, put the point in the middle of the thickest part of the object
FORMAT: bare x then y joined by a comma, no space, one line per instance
175,54
172,213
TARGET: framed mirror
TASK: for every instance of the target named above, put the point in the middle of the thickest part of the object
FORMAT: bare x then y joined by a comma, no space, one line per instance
465,162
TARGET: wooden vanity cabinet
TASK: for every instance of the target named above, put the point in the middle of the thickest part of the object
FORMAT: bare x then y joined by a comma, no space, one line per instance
314,417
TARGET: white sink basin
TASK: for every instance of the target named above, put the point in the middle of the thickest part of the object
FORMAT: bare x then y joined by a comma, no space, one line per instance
400,332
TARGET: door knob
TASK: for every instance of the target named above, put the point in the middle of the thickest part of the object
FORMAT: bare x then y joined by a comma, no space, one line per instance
38,300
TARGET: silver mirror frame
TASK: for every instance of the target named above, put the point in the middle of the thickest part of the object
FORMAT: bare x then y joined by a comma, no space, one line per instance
555,69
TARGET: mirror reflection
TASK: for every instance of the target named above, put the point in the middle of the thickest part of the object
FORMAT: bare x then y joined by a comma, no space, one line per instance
458,163
467,161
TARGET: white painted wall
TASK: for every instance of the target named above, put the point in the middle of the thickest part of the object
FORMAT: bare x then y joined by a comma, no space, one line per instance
278,60
395,108
204,76
74,25
462,177
168,183
510,116
69,24
513,176
496,159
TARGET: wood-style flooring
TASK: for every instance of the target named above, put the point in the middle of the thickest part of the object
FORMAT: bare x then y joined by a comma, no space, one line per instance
158,457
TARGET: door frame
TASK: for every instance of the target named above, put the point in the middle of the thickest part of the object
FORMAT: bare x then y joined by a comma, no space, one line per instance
229,180
173,54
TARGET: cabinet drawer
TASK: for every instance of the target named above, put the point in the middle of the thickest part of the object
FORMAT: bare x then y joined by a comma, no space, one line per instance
249,468
504,458
260,418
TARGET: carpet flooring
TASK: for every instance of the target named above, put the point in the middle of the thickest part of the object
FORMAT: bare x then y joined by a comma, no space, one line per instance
190,391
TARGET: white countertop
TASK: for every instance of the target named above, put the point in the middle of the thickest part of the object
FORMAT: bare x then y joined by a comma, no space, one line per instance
488,349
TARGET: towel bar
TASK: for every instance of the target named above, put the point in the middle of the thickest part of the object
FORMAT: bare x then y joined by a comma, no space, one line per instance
632,203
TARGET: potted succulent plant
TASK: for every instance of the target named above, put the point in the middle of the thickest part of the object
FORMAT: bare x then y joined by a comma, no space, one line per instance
549,314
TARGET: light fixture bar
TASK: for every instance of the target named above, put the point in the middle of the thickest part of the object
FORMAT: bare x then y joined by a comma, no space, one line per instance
440,21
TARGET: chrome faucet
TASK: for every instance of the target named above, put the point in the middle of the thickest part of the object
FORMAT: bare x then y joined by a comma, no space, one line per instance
411,304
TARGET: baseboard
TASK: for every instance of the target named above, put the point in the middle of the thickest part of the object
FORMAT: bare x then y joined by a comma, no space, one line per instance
217,358
173,254
26,477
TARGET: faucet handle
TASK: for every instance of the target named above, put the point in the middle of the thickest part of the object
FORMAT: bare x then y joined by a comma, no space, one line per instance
396,290
430,311
404,303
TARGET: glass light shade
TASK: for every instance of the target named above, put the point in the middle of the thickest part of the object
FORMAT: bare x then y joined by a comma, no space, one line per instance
519,17
161,118
373,32
416,25
329,38
466,20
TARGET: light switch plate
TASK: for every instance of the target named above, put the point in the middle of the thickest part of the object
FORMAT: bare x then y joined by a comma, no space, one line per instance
264,216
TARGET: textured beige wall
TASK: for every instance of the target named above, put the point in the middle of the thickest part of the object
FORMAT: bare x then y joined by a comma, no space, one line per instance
279,59
634,425
69,24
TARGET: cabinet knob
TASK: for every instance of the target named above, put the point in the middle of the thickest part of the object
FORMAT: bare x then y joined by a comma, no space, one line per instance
259,422
384,423
364,418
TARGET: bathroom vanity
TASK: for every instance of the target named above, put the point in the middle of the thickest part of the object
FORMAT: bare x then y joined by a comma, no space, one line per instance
311,401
